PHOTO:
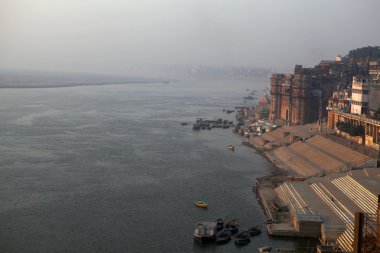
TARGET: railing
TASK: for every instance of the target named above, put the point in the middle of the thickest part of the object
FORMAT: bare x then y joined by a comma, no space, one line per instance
358,117
341,168
352,145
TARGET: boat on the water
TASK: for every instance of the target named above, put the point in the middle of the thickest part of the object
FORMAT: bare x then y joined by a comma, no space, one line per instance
242,241
244,234
233,226
205,231
223,236
256,230
219,224
201,204
265,249
196,126
231,147
184,123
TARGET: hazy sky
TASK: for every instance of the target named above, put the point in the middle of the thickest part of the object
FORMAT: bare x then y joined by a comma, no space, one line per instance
107,35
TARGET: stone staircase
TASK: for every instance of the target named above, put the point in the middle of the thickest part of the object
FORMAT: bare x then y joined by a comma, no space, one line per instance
363,198
346,239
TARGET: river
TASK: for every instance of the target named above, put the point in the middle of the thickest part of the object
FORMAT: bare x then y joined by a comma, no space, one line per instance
111,169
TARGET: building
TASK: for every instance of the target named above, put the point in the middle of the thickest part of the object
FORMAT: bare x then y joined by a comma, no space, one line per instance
374,70
374,96
301,98
340,100
353,118
360,95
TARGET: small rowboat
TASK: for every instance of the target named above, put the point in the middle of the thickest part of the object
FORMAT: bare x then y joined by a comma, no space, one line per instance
265,249
231,147
201,204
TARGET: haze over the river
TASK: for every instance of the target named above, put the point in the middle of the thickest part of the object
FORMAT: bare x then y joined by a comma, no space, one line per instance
109,36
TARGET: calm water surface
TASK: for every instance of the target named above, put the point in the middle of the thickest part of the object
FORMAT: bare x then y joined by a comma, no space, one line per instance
111,169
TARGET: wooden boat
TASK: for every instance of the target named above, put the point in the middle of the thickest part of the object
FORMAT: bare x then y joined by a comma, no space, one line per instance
196,127
223,236
255,230
244,234
231,147
205,231
219,224
265,249
201,204
233,226
242,241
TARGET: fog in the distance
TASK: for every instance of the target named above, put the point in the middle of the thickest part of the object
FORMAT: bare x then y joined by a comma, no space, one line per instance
109,36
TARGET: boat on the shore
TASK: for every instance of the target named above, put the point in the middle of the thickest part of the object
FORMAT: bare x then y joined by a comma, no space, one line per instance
231,147
201,204
233,226
265,249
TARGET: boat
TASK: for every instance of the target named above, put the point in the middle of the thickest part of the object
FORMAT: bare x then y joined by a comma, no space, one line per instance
184,123
233,226
265,249
201,204
205,231
244,234
230,111
219,224
196,127
254,230
231,147
242,241
223,236
249,97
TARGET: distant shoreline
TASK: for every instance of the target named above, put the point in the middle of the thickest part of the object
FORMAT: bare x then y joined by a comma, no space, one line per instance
33,86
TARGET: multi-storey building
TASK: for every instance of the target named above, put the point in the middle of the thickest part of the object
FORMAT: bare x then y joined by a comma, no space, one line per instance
301,98
360,97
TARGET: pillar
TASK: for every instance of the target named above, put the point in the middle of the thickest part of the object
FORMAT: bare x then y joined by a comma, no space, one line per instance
358,232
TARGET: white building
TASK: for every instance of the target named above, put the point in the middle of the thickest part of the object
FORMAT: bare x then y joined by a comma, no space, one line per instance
360,95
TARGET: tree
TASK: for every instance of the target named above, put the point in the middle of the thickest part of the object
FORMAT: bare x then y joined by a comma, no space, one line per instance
377,113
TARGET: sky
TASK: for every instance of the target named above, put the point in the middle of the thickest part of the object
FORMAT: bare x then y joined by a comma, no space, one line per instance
106,36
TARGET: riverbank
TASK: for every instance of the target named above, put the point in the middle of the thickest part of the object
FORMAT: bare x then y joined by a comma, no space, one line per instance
310,198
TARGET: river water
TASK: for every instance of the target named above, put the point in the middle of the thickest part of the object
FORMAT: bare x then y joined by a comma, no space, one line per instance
111,169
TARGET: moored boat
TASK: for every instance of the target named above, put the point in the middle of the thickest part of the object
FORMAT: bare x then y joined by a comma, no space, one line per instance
265,249
201,204
231,147
196,126
244,234
223,236
219,224
255,230
205,231
242,241
233,226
